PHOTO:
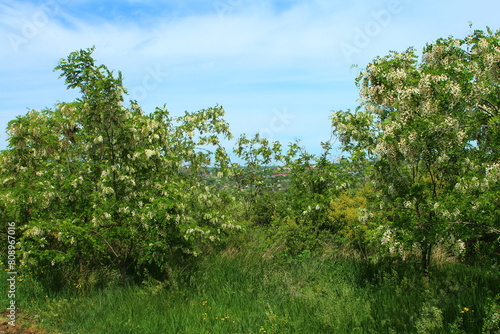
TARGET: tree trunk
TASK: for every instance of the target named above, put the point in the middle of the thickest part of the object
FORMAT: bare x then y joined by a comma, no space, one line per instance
426,259
123,273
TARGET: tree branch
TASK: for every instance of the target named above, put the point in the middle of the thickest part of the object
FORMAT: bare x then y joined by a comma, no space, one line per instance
107,243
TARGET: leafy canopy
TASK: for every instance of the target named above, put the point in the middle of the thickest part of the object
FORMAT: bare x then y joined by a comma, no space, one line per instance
430,129
96,182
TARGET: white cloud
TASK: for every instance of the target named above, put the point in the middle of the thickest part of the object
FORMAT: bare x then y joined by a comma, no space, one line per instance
250,56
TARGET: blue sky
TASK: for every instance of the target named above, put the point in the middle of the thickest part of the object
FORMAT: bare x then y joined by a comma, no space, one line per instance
277,67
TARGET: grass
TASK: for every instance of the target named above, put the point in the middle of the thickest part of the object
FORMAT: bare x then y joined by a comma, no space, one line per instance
240,292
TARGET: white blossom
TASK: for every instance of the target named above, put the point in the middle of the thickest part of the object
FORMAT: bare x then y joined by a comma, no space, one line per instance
149,153
386,237
107,190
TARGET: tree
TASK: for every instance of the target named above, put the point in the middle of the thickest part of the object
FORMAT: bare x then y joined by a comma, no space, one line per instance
430,129
258,154
93,182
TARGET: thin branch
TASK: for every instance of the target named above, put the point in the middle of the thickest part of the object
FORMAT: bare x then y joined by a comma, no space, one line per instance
107,243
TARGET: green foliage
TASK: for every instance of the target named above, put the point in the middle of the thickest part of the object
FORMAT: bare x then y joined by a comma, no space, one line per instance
302,222
242,292
350,212
252,182
104,194
296,213
492,322
427,137
94,183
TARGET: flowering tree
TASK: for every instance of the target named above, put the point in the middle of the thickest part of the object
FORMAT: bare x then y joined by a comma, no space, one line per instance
430,128
93,182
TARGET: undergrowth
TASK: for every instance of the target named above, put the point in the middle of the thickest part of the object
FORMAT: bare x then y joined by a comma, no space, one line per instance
238,291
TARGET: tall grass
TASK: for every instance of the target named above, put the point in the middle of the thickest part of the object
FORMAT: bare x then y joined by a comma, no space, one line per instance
241,292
